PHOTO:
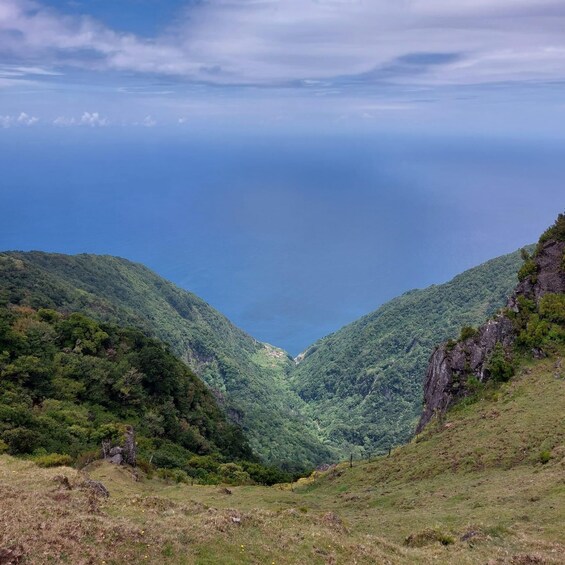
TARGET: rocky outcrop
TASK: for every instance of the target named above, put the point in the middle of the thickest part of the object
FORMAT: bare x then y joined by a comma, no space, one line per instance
126,453
452,365
548,277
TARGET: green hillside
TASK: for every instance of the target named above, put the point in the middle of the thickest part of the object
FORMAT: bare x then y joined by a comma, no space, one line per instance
363,384
249,377
68,383
483,486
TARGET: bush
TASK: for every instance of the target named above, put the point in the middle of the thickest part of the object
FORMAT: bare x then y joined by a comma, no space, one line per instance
556,231
528,269
234,474
499,366
20,441
552,308
87,457
467,332
544,457
206,462
53,460
146,467
3,447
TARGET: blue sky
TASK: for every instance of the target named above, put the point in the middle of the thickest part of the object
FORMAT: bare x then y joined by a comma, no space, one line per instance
296,163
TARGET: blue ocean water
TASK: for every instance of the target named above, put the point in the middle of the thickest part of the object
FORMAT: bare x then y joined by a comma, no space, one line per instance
290,236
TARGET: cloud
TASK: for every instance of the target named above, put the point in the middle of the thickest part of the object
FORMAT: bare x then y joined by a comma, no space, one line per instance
274,43
22,119
64,121
25,120
93,120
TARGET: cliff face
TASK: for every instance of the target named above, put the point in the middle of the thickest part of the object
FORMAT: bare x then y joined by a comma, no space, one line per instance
548,277
452,365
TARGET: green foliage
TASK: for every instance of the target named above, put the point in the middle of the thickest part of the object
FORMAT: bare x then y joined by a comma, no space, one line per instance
83,382
53,460
87,457
21,440
251,378
467,332
552,308
174,475
528,269
499,365
233,474
544,456
363,384
541,327
555,232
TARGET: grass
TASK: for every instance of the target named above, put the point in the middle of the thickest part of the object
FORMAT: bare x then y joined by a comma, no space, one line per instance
473,490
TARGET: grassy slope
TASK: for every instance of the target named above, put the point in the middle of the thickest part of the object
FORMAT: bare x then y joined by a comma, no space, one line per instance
477,474
363,384
250,375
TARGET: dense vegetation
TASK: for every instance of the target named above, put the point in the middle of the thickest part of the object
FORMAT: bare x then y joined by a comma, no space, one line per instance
67,383
540,325
363,384
248,377
485,486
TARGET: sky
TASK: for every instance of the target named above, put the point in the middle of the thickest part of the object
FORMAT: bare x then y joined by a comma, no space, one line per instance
295,163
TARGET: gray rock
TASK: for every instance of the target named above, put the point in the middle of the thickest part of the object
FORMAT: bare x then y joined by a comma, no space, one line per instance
116,459
130,447
450,368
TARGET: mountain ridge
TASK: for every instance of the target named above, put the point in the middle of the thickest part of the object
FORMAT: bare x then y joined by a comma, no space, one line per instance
260,385
363,382
249,379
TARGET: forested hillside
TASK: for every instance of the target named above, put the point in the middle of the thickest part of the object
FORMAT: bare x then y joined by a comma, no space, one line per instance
363,384
485,485
249,377
358,390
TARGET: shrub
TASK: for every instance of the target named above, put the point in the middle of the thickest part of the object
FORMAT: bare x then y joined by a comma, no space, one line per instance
20,440
528,269
206,462
176,475
3,447
467,332
544,457
53,460
87,457
234,474
552,308
499,366
146,467
556,231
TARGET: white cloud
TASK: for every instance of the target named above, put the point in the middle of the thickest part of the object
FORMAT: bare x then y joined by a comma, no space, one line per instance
25,120
92,119
22,119
6,121
64,121
272,42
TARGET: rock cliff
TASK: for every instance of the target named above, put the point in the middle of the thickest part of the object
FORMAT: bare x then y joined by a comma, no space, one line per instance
455,367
